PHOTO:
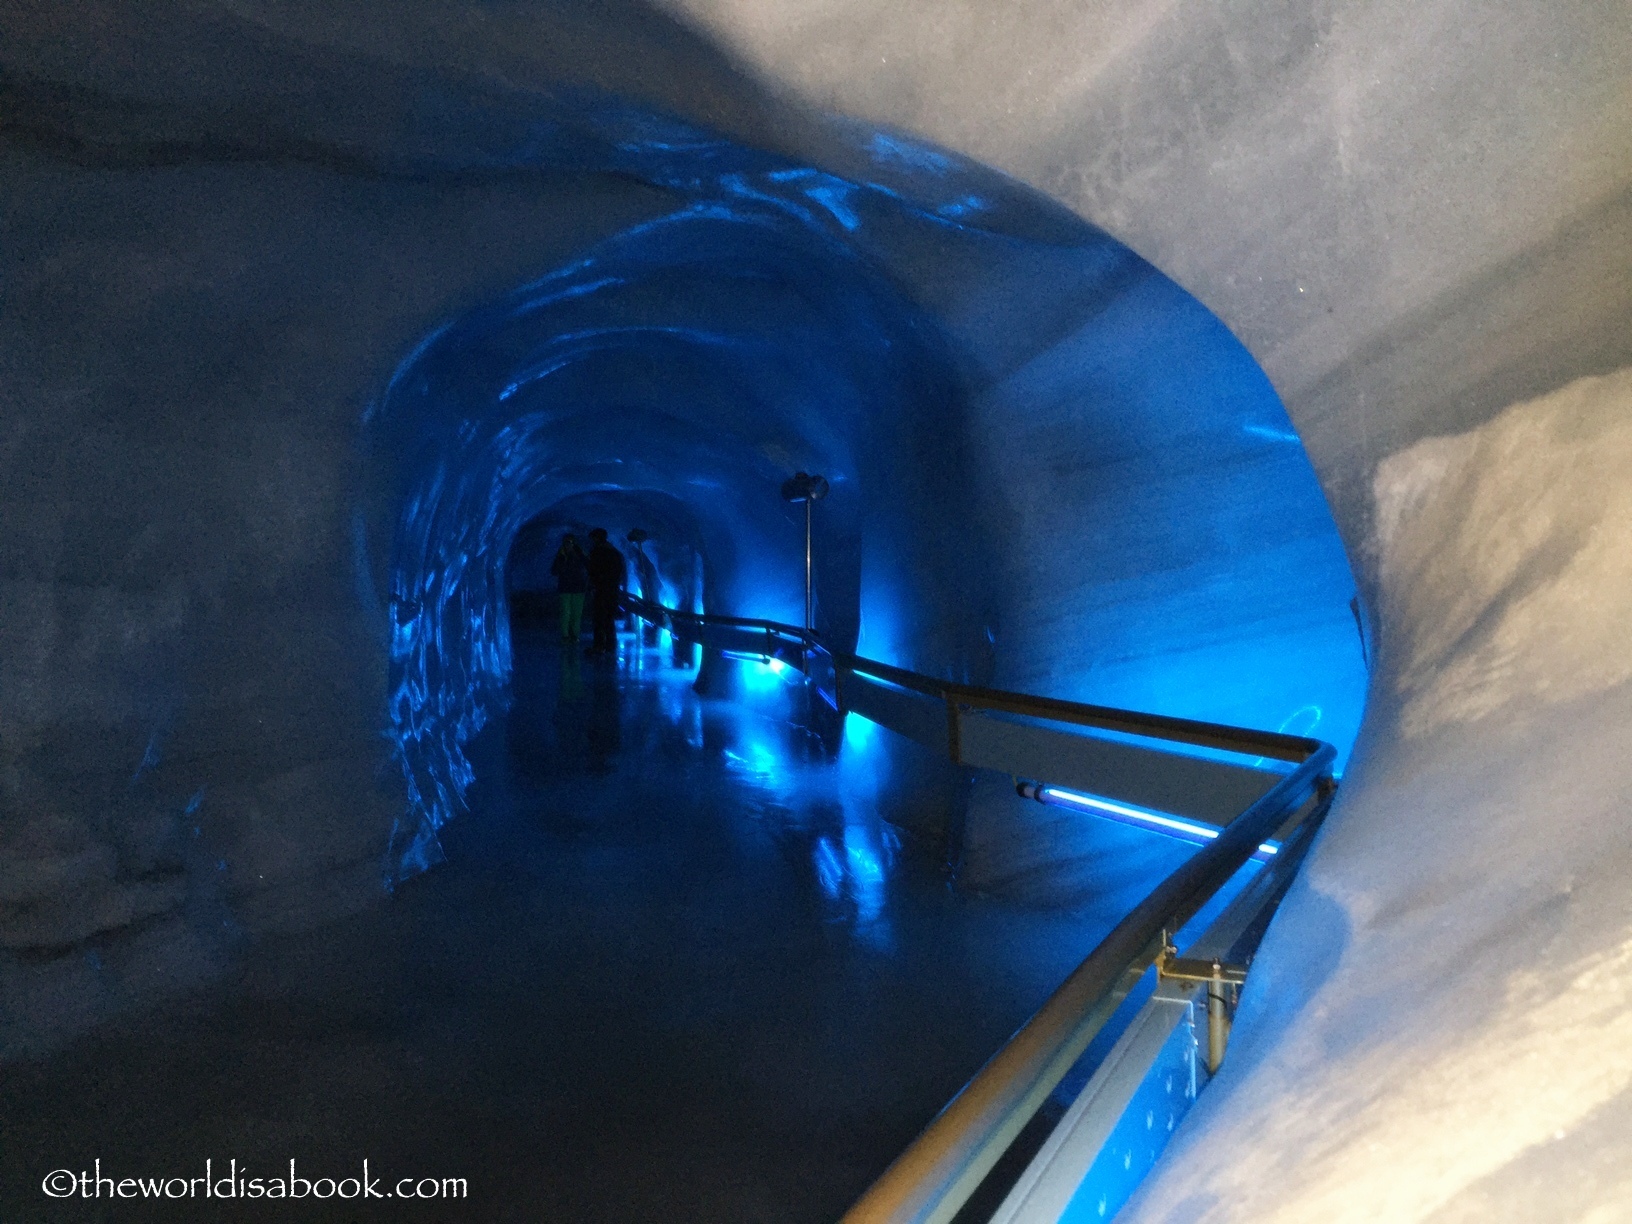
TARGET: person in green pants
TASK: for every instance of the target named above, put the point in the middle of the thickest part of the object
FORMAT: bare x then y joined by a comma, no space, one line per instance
571,570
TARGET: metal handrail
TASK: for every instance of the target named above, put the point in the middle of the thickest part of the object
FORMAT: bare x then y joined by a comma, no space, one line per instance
934,1177
657,613
1243,740
930,1181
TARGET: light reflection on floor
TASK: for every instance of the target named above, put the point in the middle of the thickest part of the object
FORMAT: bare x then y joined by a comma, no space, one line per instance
779,772
675,968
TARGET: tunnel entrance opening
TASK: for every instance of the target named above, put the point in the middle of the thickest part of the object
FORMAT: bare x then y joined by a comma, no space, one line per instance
657,534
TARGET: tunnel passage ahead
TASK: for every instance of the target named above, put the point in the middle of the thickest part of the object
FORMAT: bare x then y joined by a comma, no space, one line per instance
1050,467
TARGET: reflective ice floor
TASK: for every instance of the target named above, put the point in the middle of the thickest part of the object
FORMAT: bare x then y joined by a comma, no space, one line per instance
675,968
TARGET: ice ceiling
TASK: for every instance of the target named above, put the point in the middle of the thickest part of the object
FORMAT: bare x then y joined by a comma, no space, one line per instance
934,339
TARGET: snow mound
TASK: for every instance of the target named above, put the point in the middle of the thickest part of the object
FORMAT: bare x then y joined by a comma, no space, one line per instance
1506,557
1439,1024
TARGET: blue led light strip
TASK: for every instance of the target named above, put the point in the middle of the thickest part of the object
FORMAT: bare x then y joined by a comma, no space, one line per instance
1174,826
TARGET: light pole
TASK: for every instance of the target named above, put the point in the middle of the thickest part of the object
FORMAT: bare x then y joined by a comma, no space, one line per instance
645,632
638,536
803,487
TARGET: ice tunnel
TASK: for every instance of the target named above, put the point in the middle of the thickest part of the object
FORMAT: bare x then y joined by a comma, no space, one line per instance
784,319
1263,366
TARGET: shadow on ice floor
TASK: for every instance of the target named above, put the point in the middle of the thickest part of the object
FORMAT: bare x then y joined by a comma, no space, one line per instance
671,971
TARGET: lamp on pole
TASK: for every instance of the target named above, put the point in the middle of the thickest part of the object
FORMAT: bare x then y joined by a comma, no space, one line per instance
803,487
638,536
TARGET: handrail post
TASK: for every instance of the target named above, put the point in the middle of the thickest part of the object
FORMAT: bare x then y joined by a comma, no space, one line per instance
1218,1021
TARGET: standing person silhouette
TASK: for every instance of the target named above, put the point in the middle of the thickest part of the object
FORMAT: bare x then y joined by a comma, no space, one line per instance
608,575
571,570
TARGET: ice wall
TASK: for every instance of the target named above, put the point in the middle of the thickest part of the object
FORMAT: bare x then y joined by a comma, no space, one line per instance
210,270
192,673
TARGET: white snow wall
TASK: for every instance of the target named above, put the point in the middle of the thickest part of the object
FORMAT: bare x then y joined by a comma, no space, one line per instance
1443,1026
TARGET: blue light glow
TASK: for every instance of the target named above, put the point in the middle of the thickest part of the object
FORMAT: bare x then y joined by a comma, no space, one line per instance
889,147
962,207
1174,826
829,869
1273,434
865,867
855,868
858,731
1302,721
835,197
764,675
758,760
1163,1098
861,857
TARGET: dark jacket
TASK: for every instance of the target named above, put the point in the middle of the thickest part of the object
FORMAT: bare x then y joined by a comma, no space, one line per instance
607,569
571,570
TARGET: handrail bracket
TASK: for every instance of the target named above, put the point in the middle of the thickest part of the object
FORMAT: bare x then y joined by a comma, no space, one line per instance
1223,982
